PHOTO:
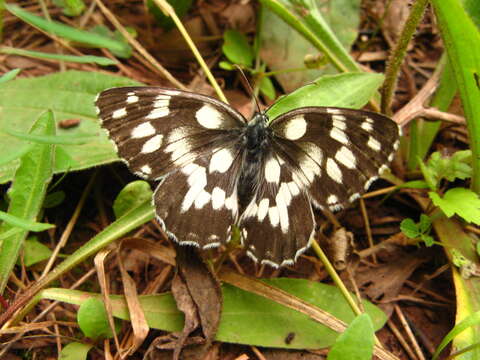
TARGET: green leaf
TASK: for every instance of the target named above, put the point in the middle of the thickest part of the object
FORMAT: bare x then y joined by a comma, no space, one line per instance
69,94
67,32
248,318
409,228
54,199
461,36
356,343
427,239
425,224
267,88
71,7
84,59
75,351
93,321
414,184
472,320
23,223
463,202
450,168
132,195
352,90
34,251
27,193
237,49
180,6
225,65
79,139
429,174
12,74
126,51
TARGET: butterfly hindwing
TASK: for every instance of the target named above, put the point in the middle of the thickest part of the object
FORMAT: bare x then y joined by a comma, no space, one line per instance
338,153
278,224
158,130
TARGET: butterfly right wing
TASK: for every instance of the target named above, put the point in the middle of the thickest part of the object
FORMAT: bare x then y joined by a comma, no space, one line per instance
158,130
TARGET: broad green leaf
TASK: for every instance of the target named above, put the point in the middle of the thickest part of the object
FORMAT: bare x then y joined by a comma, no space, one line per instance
69,94
24,224
54,199
463,202
356,343
67,32
79,139
92,319
132,195
352,90
461,36
75,351
12,74
248,318
425,224
473,9
450,168
237,49
409,228
34,251
84,59
294,30
27,193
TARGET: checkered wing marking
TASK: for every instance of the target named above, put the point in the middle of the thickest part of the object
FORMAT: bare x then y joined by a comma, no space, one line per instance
278,224
336,153
198,204
159,130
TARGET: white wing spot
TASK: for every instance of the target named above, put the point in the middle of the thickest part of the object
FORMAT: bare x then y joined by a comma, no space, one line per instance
295,128
146,169
346,157
197,181
209,117
202,199
221,161
333,111
339,135
339,122
158,113
370,181
218,198
334,171
152,144
262,209
374,144
382,169
119,113
272,171
354,197
131,99
367,126
332,199
143,130
161,101
283,199
274,216
293,187
178,144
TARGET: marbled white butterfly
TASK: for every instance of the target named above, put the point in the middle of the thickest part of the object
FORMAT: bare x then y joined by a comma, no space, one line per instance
216,169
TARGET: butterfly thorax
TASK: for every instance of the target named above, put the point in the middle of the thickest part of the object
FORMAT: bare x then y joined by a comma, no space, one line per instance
256,140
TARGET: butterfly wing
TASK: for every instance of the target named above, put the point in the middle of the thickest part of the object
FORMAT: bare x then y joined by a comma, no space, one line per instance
158,130
278,224
335,153
191,143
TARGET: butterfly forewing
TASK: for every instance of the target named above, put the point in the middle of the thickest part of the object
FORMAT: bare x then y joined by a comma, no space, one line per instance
336,153
159,130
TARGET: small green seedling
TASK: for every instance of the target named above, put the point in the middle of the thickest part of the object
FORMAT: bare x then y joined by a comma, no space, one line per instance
420,230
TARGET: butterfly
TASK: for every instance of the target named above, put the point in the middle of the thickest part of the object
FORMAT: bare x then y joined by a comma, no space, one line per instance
216,169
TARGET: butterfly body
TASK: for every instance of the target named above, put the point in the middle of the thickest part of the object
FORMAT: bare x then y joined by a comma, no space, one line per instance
217,169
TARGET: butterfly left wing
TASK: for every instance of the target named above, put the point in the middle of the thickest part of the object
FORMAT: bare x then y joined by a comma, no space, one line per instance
158,130
336,153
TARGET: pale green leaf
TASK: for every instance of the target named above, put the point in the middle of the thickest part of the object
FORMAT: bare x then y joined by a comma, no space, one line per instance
131,196
237,49
463,202
75,351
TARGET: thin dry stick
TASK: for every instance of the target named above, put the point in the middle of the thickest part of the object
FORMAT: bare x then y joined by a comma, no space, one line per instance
45,312
409,332
70,225
401,340
368,229
161,70
169,11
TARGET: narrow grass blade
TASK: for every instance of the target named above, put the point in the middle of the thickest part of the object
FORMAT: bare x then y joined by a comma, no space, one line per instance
85,59
67,32
12,74
461,38
27,193
24,224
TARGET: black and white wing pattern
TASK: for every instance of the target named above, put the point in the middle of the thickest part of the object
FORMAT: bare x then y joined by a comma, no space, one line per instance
188,141
338,152
216,170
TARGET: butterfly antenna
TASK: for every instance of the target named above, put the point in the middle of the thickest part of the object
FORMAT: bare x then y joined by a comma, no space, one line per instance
250,89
